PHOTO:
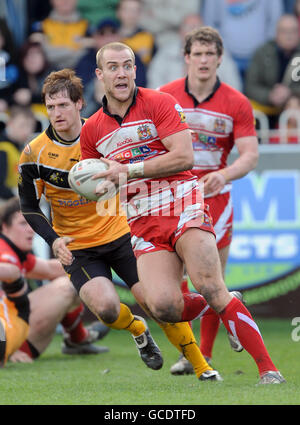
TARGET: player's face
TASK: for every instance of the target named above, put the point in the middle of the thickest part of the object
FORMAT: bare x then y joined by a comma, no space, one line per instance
63,113
117,74
19,232
203,61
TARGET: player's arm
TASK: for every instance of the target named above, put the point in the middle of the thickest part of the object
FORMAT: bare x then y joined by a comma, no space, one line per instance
9,272
29,194
30,191
248,157
13,283
46,269
179,157
247,148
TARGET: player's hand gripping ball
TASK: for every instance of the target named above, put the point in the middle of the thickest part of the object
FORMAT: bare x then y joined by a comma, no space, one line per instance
80,179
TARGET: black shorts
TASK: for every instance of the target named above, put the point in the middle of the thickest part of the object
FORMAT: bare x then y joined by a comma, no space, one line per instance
99,260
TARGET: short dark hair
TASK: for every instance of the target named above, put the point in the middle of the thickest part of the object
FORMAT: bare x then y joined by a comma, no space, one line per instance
115,45
63,80
7,211
205,35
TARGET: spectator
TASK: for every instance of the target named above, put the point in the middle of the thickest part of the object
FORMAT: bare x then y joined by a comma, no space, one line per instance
269,81
105,32
168,63
15,13
9,69
90,10
141,41
18,130
289,122
63,34
37,11
163,18
244,25
34,68
296,12
289,5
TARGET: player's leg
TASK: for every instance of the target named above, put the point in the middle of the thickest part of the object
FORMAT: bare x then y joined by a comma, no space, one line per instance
159,292
49,305
92,279
209,324
198,250
124,264
14,326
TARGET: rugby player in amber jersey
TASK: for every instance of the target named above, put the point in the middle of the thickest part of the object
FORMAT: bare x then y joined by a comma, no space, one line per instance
87,244
219,117
170,226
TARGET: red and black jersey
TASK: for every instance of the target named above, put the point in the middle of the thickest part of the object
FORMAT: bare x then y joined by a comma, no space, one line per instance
9,253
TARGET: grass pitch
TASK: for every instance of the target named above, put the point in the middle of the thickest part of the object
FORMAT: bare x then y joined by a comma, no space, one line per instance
121,378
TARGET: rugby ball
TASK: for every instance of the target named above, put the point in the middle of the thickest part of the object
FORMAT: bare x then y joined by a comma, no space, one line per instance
80,179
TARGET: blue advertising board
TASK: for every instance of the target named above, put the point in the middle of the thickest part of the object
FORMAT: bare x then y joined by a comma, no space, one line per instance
266,236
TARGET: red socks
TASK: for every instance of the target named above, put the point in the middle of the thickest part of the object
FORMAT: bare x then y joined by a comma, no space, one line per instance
73,325
29,349
195,306
209,326
239,322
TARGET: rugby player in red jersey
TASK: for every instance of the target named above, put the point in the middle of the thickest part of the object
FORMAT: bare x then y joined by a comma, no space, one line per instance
99,242
219,117
144,138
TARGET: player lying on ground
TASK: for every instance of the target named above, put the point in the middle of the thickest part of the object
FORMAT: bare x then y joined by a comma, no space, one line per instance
29,320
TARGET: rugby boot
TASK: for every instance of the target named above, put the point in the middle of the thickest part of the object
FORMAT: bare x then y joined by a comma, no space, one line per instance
182,367
147,348
271,377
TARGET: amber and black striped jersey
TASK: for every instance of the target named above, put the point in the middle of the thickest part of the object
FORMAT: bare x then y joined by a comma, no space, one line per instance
43,170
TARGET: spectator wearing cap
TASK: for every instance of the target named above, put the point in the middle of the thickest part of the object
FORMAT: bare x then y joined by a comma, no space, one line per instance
106,31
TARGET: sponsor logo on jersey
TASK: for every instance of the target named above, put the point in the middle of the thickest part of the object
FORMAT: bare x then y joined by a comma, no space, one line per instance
134,152
73,203
124,142
180,112
203,140
144,132
52,155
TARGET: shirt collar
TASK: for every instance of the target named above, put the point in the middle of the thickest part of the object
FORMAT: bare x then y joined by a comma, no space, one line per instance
117,117
215,88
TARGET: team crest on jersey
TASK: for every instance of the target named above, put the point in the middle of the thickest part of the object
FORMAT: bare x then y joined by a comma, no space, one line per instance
220,125
56,178
180,112
27,150
144,132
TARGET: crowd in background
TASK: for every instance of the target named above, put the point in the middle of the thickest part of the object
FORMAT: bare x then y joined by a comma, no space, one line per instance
261,55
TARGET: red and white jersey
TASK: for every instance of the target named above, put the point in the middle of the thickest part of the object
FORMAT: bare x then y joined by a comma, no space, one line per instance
137,137
226,115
